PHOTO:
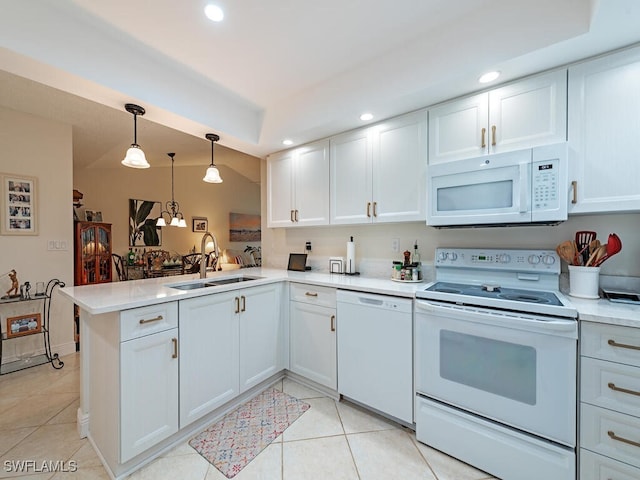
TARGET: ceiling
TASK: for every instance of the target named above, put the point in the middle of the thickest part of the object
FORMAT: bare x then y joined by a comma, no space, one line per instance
274,70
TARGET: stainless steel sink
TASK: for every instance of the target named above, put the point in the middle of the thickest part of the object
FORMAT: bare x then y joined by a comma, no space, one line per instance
213,282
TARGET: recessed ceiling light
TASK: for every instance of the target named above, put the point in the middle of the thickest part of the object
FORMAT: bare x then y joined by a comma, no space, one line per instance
489,77
287,142
365,117
214,13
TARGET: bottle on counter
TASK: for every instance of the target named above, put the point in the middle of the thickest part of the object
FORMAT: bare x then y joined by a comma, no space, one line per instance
131,257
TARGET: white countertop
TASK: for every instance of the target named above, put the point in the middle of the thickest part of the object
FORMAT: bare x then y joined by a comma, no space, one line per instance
604,311
116,296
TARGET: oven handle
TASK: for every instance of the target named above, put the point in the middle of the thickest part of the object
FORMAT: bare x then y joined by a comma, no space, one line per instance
521,321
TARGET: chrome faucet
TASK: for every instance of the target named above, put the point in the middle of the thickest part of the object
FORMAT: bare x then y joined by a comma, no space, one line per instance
203,258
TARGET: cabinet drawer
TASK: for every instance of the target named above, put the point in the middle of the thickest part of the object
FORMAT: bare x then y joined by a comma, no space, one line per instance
611,342
313,294
610,433
610,385
142,321
597,467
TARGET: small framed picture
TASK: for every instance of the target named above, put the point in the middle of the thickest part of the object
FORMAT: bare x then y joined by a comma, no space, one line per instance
97,216
89,215
199,224
18,205
24,325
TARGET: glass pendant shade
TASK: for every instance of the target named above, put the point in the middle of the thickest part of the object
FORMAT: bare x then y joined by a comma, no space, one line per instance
174,222
161,222
213,175
182,223
135,158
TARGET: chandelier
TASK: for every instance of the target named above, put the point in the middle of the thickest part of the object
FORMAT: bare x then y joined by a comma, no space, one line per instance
172,212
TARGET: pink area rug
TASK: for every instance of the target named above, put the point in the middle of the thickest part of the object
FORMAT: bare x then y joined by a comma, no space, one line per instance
237,438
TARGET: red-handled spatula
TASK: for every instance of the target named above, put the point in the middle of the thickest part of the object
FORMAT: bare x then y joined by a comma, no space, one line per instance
614,245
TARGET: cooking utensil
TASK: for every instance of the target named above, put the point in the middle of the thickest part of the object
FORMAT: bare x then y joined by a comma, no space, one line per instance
597,254
583,239
614,245
567,252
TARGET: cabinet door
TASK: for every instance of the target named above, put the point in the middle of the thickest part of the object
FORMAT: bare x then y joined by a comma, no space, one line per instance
528,113
604,121
148,392
351,187
280,189
458,129
311,180
261,334
209,354
399,169
312,343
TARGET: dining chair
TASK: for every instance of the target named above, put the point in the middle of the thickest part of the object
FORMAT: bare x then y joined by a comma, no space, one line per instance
120,267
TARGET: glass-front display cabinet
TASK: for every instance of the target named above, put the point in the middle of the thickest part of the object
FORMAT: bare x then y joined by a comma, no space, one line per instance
92,256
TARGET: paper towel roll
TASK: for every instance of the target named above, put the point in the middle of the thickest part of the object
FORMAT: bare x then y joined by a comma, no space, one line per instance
351,257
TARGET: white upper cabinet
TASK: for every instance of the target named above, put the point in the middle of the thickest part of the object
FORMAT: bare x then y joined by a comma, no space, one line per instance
522,114
378,174
298,186
604,121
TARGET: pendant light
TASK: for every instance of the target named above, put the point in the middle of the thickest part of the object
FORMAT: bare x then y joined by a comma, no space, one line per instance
213,175
135,156
175,217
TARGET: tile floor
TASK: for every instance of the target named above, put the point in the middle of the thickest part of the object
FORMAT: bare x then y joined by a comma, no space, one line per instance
334,440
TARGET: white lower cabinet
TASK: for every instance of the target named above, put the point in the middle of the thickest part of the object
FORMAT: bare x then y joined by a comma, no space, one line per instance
148,378
261,335
312,333
230,342
209,356
609,402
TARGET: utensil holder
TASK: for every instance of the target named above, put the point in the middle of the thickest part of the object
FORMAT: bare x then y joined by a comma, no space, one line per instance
584,281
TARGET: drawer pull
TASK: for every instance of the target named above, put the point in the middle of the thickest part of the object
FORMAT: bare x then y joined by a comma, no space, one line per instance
622,439
612,386
175,348
333,323
149,320
613,343
311,294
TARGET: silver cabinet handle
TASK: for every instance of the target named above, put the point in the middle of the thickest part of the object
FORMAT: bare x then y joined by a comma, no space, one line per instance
149,320
175,348
615,388
613,343
574,187
613,436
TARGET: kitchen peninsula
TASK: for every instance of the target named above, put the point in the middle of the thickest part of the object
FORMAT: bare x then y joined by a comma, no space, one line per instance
150,351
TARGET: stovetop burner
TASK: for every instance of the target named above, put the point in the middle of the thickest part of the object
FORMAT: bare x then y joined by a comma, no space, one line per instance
509,294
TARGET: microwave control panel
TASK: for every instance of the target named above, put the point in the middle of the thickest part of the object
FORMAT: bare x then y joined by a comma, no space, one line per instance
545,185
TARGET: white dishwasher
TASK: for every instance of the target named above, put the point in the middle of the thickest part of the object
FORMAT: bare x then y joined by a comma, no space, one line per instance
375,352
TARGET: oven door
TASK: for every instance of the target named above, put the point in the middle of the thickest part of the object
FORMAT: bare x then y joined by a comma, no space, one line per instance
493,189
517,369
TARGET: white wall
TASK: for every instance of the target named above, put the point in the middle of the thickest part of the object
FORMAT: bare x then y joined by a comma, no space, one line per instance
109,189
39,148
373,242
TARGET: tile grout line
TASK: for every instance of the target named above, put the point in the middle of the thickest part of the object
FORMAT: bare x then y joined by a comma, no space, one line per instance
421,455
353,458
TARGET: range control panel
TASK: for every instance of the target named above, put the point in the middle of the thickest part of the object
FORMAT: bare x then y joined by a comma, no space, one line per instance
494,259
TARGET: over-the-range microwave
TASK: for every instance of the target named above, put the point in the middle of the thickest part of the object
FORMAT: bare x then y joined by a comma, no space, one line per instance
512,188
